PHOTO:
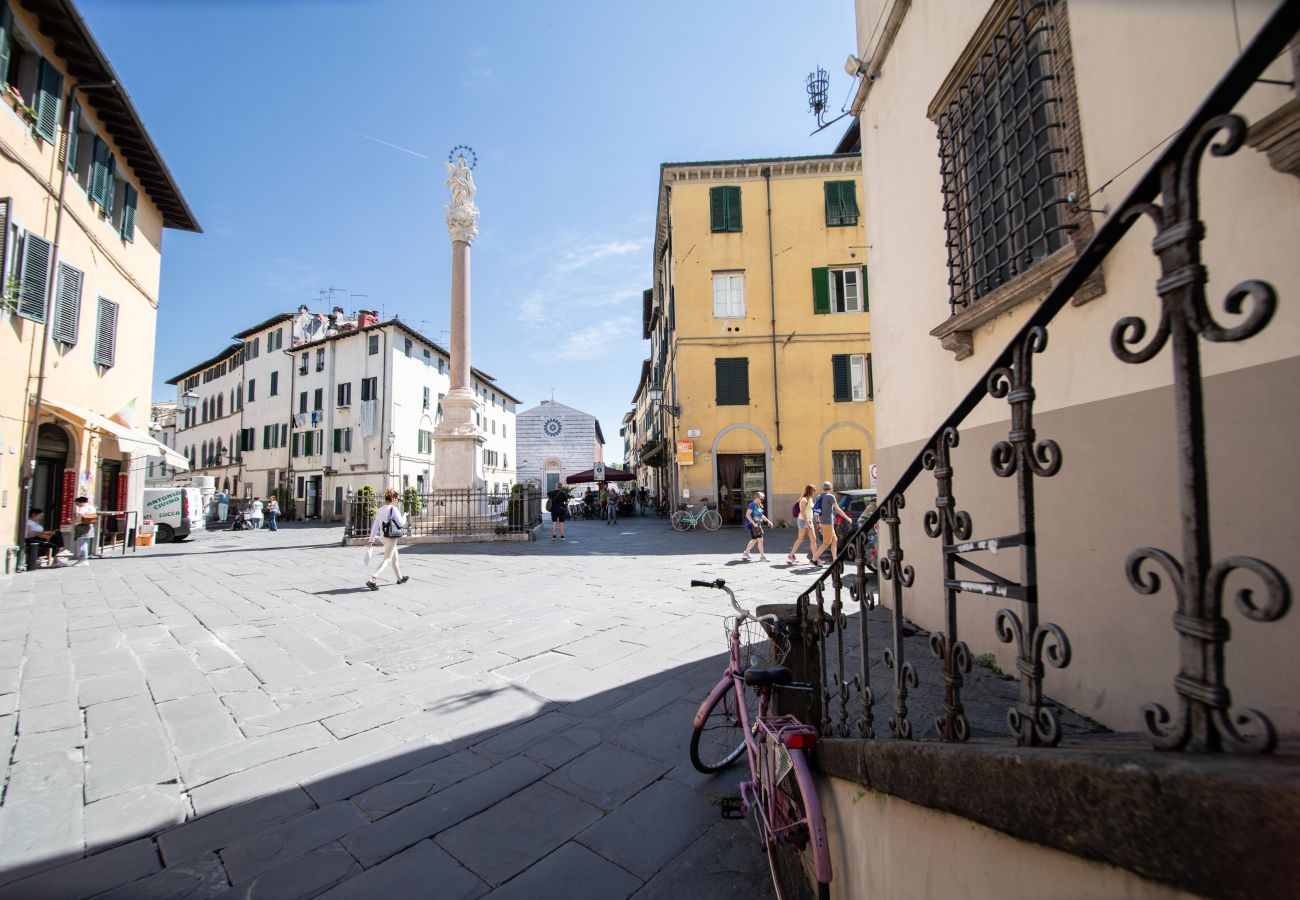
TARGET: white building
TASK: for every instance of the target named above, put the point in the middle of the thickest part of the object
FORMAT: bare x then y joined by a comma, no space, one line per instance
556,441
208,432
162,428
327,403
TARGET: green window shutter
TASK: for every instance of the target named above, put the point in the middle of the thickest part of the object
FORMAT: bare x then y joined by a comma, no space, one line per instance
106,333
4,230
849,201
731,378
99,170
832,191
843,384
717,210
871,380
821,278
266,436
49,93
866,304
67,304
296,444
128,214
70,140
733,208
34,279
338,439
110,182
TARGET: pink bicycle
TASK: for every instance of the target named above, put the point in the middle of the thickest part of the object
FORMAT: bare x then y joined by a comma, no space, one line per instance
734,719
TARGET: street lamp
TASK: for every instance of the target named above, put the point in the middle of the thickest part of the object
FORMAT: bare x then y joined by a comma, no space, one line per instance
190,400
657,396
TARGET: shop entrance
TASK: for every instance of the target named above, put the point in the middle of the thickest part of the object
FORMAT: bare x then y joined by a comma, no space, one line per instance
313,496
739,476
52,448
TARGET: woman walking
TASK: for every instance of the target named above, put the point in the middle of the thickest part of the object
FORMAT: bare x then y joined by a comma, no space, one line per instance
84,518
807,528
255,513
755,517
389,523
272,513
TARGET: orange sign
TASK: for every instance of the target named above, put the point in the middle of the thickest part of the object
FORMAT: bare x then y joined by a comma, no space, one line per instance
686,453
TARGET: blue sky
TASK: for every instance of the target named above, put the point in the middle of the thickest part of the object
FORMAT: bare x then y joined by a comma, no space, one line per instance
571,107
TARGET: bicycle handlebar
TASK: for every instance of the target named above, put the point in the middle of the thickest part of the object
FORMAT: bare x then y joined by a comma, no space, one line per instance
731,595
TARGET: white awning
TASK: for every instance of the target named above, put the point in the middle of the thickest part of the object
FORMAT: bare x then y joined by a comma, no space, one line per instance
129,440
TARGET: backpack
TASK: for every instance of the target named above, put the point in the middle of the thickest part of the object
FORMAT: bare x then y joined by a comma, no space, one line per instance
817,504
794,510
389,527
548,504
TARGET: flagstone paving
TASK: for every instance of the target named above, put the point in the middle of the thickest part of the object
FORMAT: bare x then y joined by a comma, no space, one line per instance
237,716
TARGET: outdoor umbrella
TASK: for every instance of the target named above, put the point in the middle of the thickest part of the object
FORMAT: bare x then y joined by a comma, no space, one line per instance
590,475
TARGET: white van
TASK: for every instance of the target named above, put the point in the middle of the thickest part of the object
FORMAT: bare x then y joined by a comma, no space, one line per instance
176,512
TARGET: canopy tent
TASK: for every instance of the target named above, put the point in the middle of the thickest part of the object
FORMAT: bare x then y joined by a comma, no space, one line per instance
590,475
129,440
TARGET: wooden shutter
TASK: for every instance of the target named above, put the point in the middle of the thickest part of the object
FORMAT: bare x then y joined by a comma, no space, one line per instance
732,381
35,277
821,280
266,436
733,208
67,494
49,92
717,209
871,380
70,140
106,333
866,305
101,178
128,215
849,201
4,228
121,491
67,304
841,378
832,191
338,440
347,440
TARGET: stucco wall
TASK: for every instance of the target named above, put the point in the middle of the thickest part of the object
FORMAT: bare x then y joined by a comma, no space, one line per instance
882,846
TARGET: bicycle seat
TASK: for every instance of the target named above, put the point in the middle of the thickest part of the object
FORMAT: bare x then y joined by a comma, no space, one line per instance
776,675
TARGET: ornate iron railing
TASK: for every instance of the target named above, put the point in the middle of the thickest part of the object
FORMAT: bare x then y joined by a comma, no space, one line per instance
462,513
1204,719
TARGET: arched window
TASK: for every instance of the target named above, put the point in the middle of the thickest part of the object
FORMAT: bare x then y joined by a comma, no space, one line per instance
205,409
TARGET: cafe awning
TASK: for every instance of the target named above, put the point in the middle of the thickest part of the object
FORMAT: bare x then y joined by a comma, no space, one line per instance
129,440
590,475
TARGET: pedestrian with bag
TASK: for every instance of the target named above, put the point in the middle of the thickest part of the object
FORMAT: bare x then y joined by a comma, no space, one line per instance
390,523
255,514
557,504
83,529
611,505
806,528
272,513
754,518
828,513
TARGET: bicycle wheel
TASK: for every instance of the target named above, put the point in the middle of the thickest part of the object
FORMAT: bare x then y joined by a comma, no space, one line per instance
720,739
795,836
712,520
679,520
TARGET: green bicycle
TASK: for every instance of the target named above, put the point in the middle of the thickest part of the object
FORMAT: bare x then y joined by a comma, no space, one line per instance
688,518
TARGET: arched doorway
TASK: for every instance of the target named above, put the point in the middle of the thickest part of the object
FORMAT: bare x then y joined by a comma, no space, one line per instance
554,471
848,463
736,476
53,450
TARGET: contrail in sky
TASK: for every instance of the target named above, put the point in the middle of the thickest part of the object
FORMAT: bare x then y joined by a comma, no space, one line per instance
378,141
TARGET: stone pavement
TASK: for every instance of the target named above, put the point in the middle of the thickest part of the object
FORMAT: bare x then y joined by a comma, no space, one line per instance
237,716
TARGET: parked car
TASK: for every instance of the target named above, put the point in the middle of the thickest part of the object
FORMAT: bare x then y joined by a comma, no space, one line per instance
858,504
176,512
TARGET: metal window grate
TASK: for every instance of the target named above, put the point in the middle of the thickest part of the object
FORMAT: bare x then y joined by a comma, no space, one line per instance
1001,146
846,469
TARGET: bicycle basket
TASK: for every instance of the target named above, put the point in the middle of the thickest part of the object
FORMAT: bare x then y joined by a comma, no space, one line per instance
757,647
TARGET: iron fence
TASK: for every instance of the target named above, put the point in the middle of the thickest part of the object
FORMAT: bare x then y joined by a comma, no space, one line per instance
458,513
1204,718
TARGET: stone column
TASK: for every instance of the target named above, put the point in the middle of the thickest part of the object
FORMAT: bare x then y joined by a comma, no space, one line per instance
456,440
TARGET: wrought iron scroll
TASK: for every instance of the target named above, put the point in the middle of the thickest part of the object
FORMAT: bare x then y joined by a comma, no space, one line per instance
949,524
1020,455
1204,719
900,576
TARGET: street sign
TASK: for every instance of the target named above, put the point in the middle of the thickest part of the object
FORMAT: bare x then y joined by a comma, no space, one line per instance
692,432
874,470
598,472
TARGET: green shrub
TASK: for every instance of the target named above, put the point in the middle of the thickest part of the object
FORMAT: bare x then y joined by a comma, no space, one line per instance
411,501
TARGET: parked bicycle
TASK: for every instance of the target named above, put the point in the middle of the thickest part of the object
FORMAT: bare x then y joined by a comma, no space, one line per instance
735,719
688,518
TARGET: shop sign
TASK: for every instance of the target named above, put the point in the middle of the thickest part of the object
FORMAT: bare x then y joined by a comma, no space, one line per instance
686,453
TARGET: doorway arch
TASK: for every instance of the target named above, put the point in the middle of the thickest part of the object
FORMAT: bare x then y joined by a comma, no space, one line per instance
821,446
713,456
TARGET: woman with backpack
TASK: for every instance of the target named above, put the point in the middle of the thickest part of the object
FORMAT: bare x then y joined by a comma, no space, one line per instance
390,523
807,528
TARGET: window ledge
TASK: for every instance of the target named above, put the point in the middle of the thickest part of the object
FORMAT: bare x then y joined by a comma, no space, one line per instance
957,333
1278,136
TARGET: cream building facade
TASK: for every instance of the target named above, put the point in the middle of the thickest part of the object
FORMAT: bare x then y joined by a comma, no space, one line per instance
91,437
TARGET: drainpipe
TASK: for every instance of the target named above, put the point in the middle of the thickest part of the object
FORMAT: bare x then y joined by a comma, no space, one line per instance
771,278
29,452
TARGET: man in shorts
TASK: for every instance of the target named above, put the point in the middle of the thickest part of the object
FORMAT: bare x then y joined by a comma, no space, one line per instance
828,512
558,499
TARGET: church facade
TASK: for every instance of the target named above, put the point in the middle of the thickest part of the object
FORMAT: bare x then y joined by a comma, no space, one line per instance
554,441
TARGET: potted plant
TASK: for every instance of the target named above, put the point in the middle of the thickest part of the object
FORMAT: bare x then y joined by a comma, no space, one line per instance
14,98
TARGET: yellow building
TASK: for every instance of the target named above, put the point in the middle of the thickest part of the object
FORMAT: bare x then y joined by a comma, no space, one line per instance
760,329
80,290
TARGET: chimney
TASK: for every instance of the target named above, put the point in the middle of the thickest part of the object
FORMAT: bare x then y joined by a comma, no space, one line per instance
367,317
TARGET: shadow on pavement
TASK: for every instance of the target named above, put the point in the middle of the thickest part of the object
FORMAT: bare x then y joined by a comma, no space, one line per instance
566,782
